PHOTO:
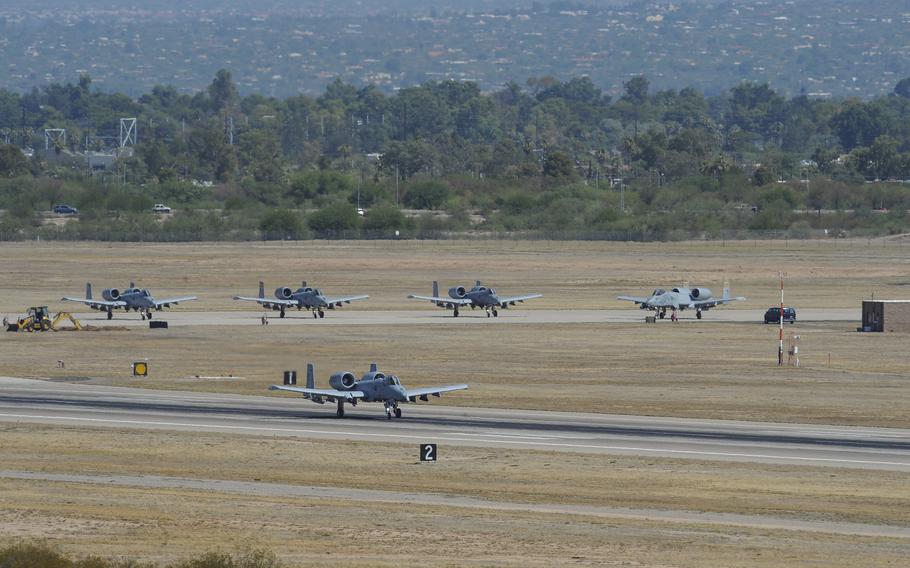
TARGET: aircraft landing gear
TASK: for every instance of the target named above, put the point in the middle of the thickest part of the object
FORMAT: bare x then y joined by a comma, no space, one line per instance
281,313
339,412
148,314
495,313
315,315
662,314
392,408
488,312
455,312
110,314
321,314
698,314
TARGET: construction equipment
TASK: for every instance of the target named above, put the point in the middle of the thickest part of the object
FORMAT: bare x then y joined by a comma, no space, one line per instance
38,319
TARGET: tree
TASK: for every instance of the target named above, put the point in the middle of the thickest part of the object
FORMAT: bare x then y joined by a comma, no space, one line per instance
223,92
636,90
383,220
339,219
12,161
902,89
426,195
558,164
281,224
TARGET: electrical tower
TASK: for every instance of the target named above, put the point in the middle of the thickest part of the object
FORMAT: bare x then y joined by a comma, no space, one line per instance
127,132
54,138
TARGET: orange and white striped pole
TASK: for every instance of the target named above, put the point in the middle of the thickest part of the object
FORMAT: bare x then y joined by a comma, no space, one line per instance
780,348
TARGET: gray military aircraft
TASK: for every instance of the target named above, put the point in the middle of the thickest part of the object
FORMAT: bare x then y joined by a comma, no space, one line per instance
698,299
139,300
304,297
374,386
477,297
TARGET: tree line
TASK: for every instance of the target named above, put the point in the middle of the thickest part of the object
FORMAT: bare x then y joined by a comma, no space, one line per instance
544,157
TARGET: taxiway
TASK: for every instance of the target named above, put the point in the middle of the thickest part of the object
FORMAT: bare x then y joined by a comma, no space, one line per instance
81,405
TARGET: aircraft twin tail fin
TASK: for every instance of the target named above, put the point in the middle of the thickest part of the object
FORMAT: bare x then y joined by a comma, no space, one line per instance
310,376
726,291
261,289
435,289
88,290
374,367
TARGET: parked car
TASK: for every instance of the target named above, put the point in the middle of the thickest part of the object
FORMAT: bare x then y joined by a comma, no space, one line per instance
161,208
65,210
773,315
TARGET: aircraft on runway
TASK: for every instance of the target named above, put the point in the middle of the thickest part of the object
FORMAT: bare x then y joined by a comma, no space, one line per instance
374,386
698,299
477,297
305,297
139,300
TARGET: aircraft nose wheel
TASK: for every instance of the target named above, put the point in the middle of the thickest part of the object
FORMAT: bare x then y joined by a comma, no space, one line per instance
697,315
315,315
397,413
495,313
110,315
321,315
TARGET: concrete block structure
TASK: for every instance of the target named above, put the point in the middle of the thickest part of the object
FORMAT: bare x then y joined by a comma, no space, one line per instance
886,315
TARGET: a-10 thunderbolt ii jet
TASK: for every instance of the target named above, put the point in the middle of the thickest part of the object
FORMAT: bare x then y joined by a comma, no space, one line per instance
132,298
303,298
374,386
479,296
698,299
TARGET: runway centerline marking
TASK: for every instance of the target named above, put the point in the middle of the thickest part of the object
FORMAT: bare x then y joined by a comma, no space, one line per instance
490,441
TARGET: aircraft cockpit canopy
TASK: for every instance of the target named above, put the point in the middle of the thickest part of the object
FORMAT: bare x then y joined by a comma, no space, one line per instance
145,292
393,380
659,292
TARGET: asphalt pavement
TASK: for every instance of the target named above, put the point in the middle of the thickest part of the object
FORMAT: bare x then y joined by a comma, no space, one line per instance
283,415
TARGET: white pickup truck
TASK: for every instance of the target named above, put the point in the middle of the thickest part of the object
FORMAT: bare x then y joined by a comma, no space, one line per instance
161,208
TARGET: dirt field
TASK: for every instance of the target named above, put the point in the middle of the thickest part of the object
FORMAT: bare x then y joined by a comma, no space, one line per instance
161,524
705,369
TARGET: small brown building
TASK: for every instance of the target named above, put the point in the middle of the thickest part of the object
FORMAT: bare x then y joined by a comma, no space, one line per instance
886,315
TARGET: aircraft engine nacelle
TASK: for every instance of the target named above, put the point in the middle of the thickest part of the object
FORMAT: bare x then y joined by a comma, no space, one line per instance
110,294
457,292
283,293
700,293
343,381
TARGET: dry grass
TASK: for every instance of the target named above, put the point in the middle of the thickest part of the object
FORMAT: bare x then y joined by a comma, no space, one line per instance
705,369
159,524
570,274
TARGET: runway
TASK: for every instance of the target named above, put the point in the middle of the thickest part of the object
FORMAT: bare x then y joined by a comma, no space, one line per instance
358,316
78,405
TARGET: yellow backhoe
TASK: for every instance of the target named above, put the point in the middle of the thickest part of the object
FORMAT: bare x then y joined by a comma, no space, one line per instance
38,319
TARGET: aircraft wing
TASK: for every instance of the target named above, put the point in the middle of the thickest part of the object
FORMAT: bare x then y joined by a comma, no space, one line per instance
716,302
413,394
436,300
343,300
514,299
635,299
267,301
96,303
165,303
328,393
